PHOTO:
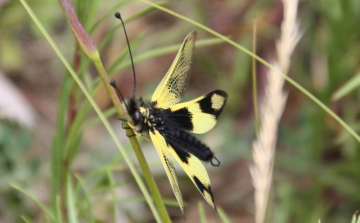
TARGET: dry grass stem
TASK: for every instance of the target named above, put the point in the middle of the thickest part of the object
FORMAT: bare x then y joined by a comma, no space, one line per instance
271,110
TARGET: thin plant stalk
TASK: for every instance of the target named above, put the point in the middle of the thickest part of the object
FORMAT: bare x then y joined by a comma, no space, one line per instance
271,110
254,82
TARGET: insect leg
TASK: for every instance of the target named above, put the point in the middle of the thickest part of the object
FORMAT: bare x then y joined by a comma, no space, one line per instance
130,135
118,118
122,125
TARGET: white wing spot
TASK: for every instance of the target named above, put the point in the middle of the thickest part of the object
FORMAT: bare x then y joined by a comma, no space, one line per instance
217,101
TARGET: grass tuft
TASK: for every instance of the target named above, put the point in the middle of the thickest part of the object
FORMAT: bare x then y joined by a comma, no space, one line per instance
271,109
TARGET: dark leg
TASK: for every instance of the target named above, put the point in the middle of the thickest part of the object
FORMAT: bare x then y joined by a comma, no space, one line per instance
122,125
130,135
118,118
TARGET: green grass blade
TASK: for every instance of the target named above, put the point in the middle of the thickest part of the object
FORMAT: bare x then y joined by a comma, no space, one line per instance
70,200
87,199
73,135
168,202
254,81
91,14
223,216
81,10
355,218
112,185
106,15
202,213
38,202
125,52
58,210
348,87
57,147
111,33
26,219
108,113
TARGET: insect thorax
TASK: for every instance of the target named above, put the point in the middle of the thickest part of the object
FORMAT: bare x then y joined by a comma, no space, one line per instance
142,116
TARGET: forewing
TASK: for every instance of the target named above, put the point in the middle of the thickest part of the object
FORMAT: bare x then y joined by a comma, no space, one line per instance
172,86
162,150
199,115
195,170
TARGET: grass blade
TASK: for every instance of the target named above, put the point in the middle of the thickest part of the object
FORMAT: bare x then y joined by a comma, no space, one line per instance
349,86
71,207
202,212
111,11
26,219
355,218
223,216
38,202
87,198
125,52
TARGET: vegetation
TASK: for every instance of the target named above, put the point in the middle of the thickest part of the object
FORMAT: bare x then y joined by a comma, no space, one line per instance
61,164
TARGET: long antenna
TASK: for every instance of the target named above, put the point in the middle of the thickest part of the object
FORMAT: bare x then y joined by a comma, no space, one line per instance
113,84
117,15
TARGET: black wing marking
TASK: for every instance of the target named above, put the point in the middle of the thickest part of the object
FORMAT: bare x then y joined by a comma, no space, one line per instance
199,115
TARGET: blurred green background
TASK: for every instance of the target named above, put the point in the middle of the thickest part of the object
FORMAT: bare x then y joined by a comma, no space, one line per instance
317,168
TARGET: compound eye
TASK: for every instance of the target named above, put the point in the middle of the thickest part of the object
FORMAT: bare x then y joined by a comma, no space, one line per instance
137,116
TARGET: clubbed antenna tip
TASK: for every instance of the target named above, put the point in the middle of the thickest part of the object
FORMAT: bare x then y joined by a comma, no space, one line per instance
117,15
113,83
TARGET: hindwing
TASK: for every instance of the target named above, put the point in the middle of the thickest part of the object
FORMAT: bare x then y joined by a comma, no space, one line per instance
168,163
190,163
195,170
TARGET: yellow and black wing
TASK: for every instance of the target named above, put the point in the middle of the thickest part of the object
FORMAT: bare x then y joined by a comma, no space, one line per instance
199,115
172,86
168,163
195,170
192,166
